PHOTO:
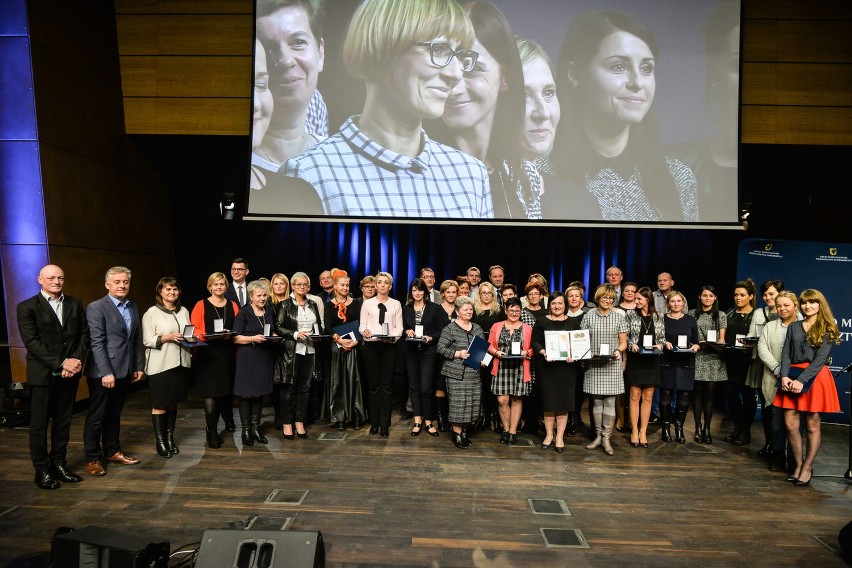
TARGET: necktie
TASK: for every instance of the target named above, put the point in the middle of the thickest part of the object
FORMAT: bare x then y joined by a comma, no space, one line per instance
125,313
241,296
382,310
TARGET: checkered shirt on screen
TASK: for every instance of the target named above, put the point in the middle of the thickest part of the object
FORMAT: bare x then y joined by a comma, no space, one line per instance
316,121
355,176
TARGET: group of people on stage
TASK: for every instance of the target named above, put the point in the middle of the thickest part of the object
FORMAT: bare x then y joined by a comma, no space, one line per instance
332,356
463,119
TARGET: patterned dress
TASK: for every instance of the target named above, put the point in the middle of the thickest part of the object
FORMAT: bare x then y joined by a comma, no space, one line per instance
603,376
709,365
510,372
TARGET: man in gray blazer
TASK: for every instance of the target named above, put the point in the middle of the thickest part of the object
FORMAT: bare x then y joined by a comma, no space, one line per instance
55,333
116,360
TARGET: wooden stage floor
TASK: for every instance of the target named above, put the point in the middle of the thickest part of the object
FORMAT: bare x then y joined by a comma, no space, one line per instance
406,501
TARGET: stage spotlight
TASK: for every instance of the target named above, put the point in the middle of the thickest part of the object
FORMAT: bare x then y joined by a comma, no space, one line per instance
228,207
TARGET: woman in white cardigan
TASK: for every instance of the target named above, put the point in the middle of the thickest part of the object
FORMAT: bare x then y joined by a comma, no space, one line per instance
769,351
167,361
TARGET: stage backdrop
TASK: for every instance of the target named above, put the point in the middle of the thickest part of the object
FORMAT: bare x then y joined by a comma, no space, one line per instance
826,267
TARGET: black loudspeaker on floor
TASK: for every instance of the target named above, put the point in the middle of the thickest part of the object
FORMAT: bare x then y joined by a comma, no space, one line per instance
261,549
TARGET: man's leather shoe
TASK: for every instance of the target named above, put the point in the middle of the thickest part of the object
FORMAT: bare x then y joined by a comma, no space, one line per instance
122,458
62,473
95,468
44,480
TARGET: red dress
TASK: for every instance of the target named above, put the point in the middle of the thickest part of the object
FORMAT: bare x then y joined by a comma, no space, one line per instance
822,397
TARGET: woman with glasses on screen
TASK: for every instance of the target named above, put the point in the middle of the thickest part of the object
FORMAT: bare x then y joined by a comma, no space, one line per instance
382,163
608,144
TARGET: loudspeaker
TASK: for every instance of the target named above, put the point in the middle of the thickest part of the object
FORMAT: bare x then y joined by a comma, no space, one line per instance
240,548
98,547
845,540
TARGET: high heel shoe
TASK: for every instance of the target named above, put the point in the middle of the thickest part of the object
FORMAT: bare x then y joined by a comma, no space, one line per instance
419,427
800,483
698,432
706,438
559,449
465,437
512,439
504,438
636,443
643,435
432,431
546,446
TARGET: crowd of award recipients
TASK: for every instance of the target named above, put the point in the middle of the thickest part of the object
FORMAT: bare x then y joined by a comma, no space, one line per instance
331,359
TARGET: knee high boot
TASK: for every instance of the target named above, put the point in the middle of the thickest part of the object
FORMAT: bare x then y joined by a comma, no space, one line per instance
256,411
245,421
159,423
597,416
443,413
171,419
680,418
666,421
212,421
607,422
226,408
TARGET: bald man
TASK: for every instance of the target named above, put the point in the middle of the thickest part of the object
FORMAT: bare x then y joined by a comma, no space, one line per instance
665,284
55,333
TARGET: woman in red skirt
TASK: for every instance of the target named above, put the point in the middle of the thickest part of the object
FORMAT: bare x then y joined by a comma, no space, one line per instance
807,385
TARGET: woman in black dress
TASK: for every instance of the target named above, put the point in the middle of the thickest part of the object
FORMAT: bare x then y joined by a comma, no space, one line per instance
487,312
427,318
345,389
678,372
741,397
213,365
645,333
556,378
255,359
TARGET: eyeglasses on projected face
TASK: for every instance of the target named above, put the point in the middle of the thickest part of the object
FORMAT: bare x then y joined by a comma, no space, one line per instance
441,55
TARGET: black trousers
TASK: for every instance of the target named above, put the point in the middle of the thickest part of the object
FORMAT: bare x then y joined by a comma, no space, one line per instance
103,421
379,362
294,395
420,368
51,404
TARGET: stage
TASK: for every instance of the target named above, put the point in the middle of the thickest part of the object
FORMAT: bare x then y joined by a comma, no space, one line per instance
419,501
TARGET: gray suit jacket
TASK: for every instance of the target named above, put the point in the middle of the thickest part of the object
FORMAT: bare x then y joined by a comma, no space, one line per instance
114,350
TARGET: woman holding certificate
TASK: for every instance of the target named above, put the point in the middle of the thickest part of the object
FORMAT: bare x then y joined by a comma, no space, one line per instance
604,379
422,323
345,390
510,344
807,385
255,359
709,366
214,365
678,373
557,377
462,380
645,338
381,326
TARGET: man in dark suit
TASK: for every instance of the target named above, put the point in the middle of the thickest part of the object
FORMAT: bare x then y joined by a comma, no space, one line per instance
116,360
236,292
56,335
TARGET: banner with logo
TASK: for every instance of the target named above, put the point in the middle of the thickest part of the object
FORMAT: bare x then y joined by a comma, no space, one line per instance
826,267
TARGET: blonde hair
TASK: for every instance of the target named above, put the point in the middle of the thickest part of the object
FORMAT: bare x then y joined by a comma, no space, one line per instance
604,290
214,277
824,327
477,303
283,277
382,29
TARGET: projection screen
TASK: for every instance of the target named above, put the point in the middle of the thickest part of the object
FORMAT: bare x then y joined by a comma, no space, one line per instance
536,112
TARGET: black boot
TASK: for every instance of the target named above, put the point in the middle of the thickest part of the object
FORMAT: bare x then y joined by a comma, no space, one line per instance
226,407
256,411
733,435
706,438
213,440
465,437
159,423
443,414
680,418
245,421
459,441
767,450
171,419
666,421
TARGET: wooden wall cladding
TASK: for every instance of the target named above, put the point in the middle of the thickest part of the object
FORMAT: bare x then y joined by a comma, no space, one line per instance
184,64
